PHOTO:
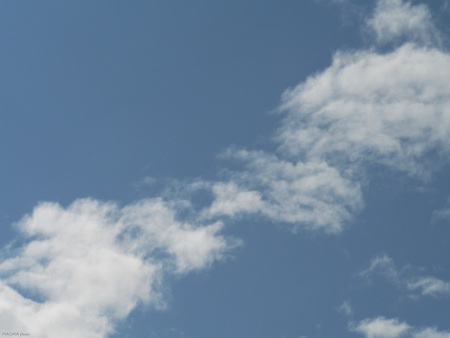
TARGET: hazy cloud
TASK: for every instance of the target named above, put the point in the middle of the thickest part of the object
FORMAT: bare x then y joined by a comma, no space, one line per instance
396,19
346,308
443,213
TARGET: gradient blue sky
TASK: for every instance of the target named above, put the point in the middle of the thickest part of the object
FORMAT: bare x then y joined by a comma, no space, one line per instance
225,168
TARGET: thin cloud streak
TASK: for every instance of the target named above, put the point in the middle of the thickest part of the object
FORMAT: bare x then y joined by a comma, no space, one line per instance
406,279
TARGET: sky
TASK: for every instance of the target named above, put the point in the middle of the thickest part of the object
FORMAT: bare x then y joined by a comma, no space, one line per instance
225,168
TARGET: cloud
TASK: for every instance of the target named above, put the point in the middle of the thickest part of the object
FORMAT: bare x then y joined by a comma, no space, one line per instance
346,309
406,279
429,286
230,200
369,108
430,332
409,280
84,267
144,182
381,327
443,213
393,20
310,195
365,111
384,264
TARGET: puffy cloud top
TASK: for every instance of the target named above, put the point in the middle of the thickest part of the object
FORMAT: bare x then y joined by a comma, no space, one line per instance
86,266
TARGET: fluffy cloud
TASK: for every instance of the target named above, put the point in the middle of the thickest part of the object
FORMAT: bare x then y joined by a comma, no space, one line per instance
396,19
86,266
382,327
311,195
366,110
406,279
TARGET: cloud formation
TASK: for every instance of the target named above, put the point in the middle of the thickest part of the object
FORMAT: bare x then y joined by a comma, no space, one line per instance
84,267
406,279
369,108
366,110
381,327
311,195
394,20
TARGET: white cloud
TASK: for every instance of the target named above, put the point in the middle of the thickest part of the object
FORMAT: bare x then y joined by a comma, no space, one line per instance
231,200
384,264
429,286
366,110
311,195
406,279
396,19
381,327
430,332
84,267
89,265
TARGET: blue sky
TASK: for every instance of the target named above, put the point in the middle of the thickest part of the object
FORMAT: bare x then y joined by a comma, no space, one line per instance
225,169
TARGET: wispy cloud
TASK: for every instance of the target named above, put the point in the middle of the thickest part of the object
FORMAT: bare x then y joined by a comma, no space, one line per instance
311,195
407,279
394,20
443,213
146,181
86,266
346,309
381,327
